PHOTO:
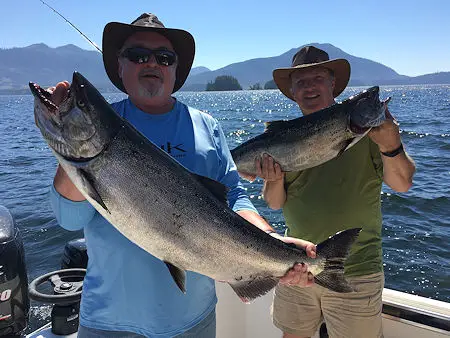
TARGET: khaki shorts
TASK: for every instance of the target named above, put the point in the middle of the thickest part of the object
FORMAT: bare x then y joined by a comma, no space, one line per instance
300,311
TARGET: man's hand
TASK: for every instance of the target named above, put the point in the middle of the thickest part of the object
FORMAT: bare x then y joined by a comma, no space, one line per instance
266,168
59,92
299,274
387,135
398,171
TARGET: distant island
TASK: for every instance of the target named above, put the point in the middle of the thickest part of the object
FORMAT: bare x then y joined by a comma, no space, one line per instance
47,66
270,85
222,83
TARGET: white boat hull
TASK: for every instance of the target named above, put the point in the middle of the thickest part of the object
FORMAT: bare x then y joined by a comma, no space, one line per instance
238,320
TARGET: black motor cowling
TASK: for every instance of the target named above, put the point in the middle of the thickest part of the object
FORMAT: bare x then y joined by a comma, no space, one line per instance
75,255
14,301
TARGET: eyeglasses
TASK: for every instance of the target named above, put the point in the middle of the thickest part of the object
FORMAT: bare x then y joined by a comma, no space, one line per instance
142,55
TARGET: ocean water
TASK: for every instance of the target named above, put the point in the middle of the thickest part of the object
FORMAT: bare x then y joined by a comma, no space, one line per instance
416,225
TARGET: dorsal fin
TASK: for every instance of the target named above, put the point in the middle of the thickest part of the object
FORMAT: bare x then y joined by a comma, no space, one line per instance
275,126
280,125
219,190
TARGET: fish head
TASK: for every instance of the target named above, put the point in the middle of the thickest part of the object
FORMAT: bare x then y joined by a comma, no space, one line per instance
366,110
81,126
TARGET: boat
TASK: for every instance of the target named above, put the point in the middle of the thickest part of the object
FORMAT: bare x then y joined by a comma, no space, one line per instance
404,315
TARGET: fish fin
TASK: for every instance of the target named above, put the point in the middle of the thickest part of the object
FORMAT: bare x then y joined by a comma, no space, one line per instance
334,280
178,275
218,189
348,144
338,245
277,126
249,290
88,184
335,250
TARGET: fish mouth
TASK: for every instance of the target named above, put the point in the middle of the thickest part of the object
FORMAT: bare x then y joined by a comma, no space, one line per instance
358,130
43,95
47,116
66,127
81,126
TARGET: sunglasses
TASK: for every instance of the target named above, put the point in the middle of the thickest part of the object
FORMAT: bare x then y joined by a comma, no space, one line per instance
142,55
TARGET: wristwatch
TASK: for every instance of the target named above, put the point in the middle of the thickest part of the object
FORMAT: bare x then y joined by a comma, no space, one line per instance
395,152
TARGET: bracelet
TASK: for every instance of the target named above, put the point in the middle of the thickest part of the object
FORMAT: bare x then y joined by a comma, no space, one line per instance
394,152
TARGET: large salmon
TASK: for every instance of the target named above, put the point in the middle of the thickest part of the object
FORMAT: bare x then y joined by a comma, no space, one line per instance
177,216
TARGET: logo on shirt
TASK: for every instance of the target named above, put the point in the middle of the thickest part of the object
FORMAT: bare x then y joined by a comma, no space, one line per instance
175,150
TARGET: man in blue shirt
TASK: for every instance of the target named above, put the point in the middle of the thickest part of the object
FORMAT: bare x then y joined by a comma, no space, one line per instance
127,292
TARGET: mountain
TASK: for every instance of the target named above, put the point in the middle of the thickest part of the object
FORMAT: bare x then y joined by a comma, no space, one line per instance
364,71
434,78
198,70
47,66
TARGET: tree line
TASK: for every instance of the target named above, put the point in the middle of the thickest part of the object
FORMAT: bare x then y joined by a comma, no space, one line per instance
228,82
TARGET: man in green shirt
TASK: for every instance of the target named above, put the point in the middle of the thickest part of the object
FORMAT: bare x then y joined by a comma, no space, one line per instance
340,194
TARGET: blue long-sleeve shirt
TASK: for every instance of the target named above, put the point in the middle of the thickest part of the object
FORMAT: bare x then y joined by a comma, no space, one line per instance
125,287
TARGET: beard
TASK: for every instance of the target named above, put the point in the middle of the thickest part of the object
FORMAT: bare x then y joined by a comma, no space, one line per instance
150,90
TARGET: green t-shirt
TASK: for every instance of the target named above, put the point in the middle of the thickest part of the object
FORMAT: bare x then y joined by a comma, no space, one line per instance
340,194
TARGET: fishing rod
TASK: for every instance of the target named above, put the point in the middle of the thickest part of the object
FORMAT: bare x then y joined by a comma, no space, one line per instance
82,34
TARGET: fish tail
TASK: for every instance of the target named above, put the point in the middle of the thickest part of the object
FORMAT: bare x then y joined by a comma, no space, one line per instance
335,250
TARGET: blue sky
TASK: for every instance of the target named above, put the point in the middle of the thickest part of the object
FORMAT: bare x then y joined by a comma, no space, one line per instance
412,37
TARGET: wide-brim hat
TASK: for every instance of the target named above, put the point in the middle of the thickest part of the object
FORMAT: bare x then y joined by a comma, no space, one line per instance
309,57
116,33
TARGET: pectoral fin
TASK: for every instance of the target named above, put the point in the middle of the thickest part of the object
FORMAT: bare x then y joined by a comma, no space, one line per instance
178,275
348,144
89,187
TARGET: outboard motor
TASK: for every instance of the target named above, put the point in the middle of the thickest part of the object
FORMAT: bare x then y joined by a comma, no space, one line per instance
75,255
65,317
14,301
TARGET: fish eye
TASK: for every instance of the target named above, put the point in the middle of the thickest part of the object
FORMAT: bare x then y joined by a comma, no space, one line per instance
80,104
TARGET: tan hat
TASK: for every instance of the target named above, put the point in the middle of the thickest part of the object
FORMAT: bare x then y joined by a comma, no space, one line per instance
116,33
311,56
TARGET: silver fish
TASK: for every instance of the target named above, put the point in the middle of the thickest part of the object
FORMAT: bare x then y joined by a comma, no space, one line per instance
177,216
313,139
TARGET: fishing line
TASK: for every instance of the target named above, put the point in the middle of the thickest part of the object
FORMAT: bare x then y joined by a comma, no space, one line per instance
82,34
